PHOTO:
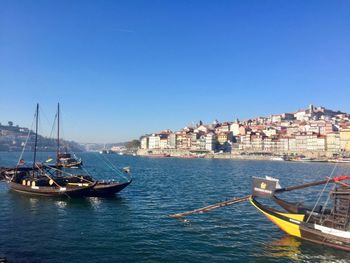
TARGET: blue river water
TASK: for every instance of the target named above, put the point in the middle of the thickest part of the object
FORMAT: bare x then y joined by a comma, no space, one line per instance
134,225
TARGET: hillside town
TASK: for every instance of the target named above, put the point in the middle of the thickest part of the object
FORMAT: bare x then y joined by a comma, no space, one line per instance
312,132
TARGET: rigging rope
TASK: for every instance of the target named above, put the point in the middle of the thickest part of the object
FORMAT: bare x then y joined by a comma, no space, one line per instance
71,175
52,181
25,144
53,126
111,166
326,202
86,171
321,193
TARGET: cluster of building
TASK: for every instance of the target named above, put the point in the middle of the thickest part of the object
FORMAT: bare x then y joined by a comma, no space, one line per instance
12,137
312,130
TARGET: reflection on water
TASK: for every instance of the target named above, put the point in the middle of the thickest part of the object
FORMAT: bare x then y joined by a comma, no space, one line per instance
297,250
61,204
286,247
33,203
95,202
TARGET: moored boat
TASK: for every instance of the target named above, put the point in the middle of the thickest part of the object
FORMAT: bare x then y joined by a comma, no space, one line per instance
326,226
66,160
277,158
340,160
161,155
307,159
41,179
52,180
37,181
301,159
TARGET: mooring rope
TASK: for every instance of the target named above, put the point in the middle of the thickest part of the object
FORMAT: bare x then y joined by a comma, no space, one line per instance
111,166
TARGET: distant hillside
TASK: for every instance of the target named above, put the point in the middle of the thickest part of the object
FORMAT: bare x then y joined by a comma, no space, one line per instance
13,138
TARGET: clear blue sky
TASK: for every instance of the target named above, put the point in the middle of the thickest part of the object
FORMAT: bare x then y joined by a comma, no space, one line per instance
121,69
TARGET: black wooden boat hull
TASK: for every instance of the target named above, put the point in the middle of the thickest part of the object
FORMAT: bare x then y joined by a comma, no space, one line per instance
107,189
51,191
298,225
299,208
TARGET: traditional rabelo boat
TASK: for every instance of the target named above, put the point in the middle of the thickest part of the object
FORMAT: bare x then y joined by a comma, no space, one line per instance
65,159
52,180
326,226
44,180
41,179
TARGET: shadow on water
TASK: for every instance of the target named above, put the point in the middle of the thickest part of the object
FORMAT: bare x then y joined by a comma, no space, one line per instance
31,201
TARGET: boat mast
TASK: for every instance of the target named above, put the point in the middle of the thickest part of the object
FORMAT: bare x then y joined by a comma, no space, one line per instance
36,133
58,134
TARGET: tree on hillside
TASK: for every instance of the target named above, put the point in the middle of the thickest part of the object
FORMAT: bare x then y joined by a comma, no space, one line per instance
132,145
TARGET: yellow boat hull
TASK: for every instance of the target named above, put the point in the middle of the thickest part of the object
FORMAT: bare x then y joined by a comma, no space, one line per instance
291,228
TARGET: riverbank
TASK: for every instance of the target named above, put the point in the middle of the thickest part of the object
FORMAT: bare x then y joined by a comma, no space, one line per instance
235,155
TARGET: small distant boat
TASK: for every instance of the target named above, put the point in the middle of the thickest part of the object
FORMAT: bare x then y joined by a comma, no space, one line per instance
106,152
340,160
66,160
301,159
307,159
161,155
192,156
304,159
318,160
278,158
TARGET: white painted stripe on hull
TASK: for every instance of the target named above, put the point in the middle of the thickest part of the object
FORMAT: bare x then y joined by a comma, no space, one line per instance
333,232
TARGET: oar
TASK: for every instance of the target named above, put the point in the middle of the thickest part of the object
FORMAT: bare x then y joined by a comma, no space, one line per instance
211,207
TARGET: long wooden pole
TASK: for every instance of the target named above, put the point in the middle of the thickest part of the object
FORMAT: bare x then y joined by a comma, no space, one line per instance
301,186
245,198
211,207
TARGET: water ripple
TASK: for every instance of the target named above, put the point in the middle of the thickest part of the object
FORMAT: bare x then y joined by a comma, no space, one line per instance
134,226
